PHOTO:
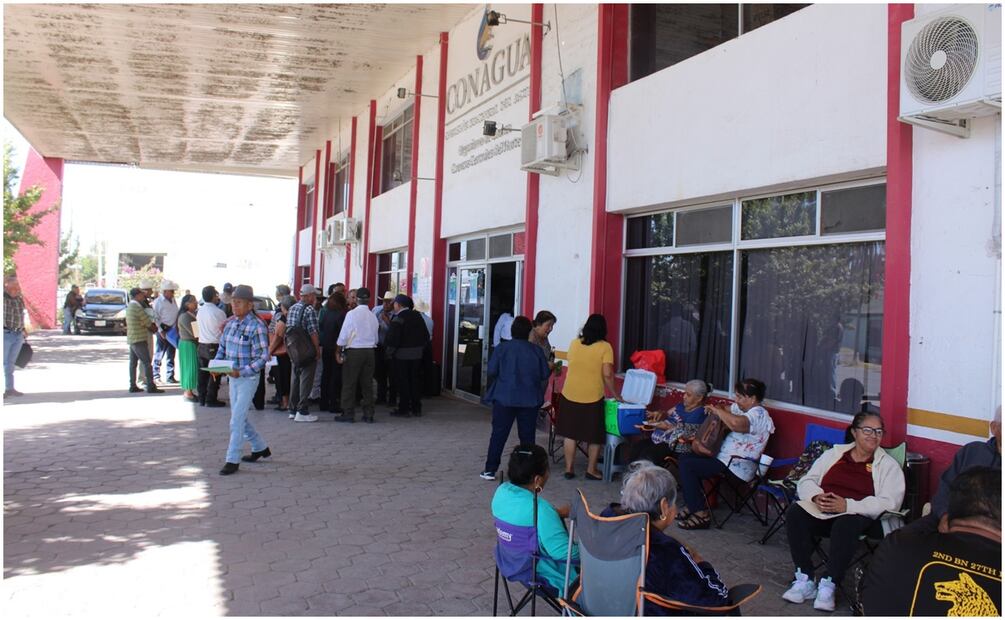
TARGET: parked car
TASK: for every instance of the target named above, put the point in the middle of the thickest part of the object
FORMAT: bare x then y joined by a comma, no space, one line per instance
104,311
264,307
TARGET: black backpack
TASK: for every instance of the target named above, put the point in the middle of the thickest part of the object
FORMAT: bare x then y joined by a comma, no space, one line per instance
299,346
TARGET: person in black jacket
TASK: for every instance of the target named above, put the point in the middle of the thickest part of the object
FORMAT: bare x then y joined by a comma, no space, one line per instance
406,338
329,325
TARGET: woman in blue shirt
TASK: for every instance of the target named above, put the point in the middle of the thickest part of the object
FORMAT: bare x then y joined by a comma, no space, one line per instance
672,435
517,369
513,503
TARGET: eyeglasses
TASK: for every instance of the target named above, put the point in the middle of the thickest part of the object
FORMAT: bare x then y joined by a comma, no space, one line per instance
868,431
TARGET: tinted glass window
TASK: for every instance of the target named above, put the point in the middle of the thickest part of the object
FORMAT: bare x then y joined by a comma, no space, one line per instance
476,249
855,209
811,323
650,231
792,215
681,304
705,226
757,15
664,34
110,299
500,246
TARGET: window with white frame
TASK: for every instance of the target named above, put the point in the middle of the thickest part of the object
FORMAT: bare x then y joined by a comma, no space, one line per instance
340,187
392,271
786,288
308,206
396,152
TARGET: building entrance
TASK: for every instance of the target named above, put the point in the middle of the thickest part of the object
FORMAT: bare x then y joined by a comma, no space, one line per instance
480,292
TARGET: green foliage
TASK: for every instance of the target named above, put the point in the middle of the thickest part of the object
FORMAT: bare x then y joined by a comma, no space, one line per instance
69,251
19,218
89,268
129,277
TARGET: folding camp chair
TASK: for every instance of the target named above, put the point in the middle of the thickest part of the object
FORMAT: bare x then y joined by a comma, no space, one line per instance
881,527
741,492
780,496
613,552
517,553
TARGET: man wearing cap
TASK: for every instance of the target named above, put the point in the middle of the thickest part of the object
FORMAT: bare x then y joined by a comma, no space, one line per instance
356,343
406,339
302,314
165,314
245,343
138,327
384,312
225,299
210,320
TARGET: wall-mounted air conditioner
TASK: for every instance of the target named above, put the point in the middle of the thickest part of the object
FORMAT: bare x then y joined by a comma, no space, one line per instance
342,230
951,67
549,143
322,240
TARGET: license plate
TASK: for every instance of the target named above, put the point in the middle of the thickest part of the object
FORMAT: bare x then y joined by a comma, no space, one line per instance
100,323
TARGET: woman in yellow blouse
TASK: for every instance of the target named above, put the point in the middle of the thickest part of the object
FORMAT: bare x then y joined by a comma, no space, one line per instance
581,409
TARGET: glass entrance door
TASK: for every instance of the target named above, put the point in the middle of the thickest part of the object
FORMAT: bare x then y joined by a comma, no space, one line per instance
471,330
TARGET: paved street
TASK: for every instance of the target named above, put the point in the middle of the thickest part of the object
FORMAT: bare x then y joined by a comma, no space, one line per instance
113,506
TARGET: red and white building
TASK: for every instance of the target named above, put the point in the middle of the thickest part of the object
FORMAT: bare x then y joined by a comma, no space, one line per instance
744,198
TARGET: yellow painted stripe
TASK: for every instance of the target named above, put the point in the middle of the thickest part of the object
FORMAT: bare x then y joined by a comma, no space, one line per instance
947,422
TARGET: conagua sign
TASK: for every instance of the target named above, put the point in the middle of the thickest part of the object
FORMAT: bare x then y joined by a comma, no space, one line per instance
497,67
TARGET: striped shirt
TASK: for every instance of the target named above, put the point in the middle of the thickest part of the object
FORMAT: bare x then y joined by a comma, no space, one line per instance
13,313
246,343
300,314
137,321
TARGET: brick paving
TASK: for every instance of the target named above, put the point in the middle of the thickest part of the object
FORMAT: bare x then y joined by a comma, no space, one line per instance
112,505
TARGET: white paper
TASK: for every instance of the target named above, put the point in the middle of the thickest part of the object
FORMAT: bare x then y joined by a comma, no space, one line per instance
272,362
221,364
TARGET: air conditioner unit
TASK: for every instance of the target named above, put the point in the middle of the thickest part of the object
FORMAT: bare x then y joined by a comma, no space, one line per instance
322,240
548,142
951,67
343,230
330,230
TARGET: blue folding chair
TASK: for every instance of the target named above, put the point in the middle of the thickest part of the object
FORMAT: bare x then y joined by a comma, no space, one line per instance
517,553
777,493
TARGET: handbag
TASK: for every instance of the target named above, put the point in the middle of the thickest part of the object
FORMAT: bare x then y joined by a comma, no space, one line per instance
24,355
708,439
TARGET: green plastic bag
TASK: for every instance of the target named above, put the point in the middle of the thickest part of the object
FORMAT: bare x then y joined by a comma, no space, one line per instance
611,416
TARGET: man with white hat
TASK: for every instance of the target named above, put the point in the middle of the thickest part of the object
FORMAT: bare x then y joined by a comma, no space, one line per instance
165,315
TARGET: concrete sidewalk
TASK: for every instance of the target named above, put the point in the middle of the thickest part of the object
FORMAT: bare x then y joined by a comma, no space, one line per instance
113,505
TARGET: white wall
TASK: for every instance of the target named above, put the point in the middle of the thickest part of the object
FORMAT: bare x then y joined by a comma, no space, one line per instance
566,207
955,276
799,99
491,193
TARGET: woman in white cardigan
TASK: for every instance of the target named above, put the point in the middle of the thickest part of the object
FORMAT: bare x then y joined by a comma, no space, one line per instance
841,496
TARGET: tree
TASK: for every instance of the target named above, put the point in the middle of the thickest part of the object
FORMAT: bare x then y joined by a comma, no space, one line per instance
68,258
19,218
130,277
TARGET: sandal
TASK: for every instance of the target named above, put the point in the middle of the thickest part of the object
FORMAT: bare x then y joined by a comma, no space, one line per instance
590,476
694,522
683,515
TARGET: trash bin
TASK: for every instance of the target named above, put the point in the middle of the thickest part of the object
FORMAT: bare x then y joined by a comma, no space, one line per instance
916,492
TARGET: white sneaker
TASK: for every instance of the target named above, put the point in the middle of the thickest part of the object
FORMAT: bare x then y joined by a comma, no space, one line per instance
825,595
487,475
801,590
293,415
305,418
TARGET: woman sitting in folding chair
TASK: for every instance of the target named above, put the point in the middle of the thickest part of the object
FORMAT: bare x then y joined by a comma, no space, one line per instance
513,503
675,429
842,495
673,571
750,428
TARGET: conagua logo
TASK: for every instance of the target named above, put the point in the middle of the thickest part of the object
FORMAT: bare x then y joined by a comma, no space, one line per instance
482,45
498,66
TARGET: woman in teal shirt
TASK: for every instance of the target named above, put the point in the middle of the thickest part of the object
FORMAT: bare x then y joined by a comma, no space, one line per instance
514,503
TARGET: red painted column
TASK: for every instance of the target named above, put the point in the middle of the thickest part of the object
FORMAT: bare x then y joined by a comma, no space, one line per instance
533,180
37,266
605,265
296,235
413,195
352,187
324,203
370,150
314,216
897,288
438,293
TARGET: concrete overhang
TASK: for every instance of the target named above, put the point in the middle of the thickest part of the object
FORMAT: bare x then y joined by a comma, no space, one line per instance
231,88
